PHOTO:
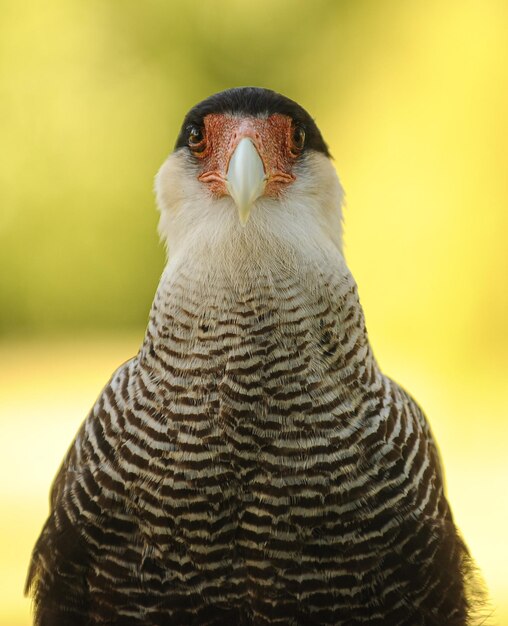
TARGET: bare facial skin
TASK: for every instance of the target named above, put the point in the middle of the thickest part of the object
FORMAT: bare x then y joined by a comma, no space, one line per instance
277,140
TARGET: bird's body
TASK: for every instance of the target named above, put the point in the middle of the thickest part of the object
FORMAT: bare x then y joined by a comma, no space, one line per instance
252,465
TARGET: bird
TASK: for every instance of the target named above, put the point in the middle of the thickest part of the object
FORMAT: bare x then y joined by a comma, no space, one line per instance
252,464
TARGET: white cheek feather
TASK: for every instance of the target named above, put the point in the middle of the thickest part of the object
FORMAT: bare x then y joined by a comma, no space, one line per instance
304,225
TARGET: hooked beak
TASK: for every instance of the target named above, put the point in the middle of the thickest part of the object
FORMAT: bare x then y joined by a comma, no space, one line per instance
245,179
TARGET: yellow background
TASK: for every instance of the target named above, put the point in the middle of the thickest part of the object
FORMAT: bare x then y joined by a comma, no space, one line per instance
412,98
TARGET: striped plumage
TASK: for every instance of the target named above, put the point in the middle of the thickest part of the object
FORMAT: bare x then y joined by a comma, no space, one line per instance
252,465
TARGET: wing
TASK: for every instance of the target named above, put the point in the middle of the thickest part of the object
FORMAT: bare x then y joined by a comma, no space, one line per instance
428,538
86,502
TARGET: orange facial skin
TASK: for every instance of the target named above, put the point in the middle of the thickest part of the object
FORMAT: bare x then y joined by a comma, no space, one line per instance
273,137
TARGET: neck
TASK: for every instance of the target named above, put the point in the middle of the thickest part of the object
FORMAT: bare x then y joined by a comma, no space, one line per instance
218,300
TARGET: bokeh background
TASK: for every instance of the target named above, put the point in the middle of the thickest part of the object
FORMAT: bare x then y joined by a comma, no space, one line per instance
412,97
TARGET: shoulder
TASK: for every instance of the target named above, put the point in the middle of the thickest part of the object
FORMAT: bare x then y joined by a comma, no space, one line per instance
95,446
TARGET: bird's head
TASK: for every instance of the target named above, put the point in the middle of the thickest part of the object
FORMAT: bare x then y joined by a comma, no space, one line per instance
248,159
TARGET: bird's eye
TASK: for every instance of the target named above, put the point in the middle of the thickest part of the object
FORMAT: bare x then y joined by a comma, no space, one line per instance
297,139
196,139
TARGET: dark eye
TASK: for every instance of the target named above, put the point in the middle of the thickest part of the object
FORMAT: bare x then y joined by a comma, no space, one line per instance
298,139
196,139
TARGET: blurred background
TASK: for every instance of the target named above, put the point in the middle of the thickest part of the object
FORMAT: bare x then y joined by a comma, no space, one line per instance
412,98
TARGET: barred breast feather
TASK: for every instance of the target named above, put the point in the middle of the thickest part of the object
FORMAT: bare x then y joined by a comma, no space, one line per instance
251,465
